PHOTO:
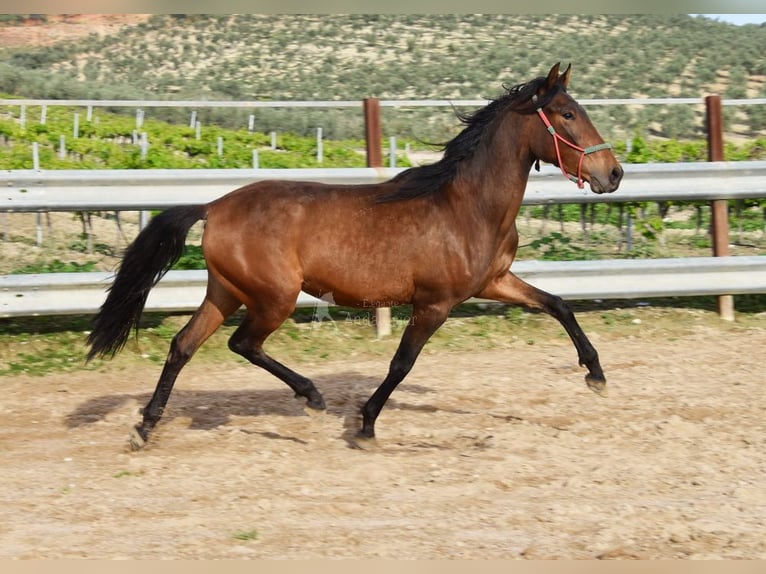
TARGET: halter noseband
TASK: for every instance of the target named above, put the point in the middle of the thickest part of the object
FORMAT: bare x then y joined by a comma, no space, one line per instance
583,151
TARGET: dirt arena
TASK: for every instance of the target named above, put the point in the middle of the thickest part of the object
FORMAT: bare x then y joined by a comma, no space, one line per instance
490,454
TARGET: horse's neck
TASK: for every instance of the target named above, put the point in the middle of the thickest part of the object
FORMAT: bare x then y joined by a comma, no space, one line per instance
493,185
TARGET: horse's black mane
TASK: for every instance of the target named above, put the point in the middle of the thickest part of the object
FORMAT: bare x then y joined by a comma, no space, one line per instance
428,179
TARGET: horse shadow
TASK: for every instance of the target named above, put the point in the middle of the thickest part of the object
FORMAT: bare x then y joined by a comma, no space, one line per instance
344,394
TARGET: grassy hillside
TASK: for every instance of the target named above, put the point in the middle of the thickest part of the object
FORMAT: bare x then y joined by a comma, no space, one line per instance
325,57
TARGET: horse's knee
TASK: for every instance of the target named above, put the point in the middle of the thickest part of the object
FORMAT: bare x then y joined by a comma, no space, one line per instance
558,308
180,351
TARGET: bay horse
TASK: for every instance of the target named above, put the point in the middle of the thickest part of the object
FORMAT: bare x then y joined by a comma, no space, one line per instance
430,237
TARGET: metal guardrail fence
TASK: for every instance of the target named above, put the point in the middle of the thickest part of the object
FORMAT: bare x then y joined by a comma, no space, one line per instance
116,190
135,190
83,293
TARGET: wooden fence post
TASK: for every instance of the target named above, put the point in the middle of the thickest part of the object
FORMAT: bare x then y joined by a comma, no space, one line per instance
372,136
719,208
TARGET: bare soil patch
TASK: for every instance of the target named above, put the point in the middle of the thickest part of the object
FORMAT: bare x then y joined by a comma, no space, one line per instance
61,27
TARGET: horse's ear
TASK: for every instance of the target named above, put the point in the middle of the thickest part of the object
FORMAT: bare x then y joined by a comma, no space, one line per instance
549,83
564,79
553,76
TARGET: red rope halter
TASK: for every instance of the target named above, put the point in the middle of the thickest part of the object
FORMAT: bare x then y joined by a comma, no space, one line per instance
583,151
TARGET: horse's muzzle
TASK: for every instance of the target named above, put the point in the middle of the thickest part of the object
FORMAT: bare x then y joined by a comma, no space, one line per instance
606,183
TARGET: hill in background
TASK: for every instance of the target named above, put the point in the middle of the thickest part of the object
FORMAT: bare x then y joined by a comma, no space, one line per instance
401,56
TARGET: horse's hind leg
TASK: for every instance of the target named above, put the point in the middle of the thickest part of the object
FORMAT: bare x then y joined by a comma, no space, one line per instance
248,340
214,309
510,289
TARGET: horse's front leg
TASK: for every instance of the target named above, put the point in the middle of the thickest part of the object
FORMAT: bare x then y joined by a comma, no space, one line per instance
426,319
508,288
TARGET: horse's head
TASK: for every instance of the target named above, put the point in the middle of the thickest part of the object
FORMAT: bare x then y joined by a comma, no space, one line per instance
565,136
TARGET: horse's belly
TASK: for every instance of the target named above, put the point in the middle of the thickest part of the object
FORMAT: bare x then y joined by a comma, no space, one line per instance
358,286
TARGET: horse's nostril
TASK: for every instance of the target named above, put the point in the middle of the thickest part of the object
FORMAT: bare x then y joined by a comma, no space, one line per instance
616,174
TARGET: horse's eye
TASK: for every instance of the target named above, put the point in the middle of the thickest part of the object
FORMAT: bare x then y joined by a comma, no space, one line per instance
568,115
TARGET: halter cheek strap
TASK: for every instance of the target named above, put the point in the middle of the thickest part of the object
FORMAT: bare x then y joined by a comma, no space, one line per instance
583,151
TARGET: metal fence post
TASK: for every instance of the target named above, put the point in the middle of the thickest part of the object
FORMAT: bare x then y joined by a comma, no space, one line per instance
372,136
719,208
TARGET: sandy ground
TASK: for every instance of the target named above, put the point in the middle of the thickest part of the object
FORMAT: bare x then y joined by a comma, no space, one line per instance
487,454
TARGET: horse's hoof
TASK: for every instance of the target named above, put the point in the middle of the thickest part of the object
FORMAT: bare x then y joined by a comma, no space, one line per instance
316,403
364,441
365,433
137,439
313,411
596,384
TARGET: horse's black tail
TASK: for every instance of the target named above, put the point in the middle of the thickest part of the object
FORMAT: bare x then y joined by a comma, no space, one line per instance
146,260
